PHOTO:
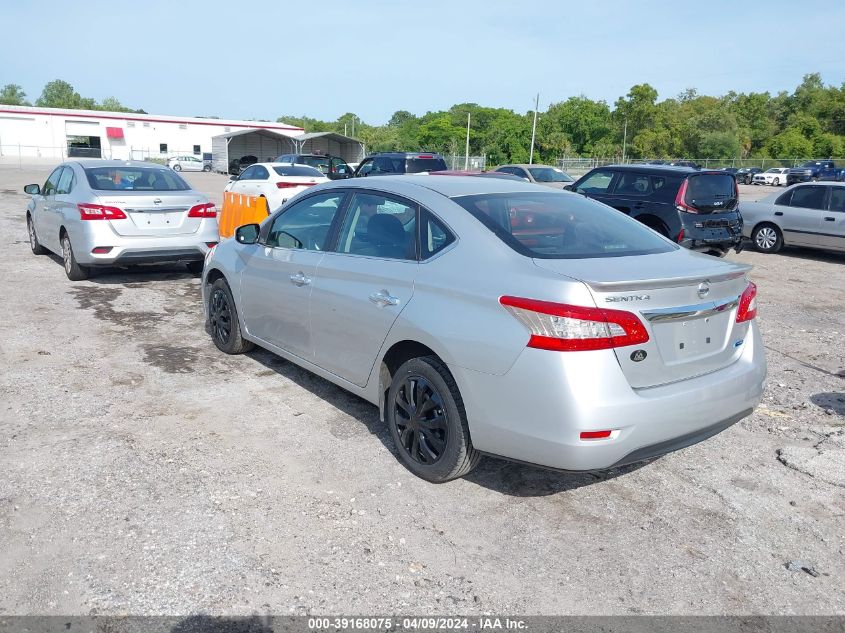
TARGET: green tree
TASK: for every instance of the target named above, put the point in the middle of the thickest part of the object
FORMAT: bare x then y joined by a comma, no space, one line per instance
60,94
13,94
790,144
111,104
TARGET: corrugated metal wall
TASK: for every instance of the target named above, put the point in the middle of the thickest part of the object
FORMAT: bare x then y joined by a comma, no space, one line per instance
265,148
350,152
219,155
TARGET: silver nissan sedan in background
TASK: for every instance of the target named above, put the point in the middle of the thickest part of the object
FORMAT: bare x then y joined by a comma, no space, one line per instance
490,316
97,213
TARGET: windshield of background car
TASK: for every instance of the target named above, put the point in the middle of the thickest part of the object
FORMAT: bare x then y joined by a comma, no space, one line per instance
320,163
549,174
417,165
298,170
562,226
134,179
773,170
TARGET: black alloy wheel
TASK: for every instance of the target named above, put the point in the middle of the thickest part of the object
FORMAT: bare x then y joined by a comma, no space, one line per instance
420,420
220,316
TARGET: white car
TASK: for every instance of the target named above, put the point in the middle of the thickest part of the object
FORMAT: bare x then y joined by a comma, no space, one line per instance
775,176
187,163
277,182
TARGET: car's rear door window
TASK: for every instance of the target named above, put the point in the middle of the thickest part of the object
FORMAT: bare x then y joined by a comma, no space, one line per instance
377,225
562,226
419,165
837,199
633,184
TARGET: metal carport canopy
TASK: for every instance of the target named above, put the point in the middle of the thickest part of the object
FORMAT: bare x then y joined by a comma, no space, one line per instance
261,143
349,149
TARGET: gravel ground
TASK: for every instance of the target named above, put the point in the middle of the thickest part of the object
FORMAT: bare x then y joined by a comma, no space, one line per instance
143,472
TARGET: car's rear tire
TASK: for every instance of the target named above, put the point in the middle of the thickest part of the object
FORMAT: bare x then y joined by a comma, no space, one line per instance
177,167
206,167
195,268
776,182
225,328
34,244
73,270
767,238
426,417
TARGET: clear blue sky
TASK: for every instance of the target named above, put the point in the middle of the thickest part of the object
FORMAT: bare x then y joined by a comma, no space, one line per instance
373,57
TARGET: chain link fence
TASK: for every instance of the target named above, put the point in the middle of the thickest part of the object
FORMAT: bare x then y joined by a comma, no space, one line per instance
455,161
578,166
14,154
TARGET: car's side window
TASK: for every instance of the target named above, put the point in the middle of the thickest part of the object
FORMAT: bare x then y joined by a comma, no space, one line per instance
379,226
49,188
837,199
784,198
339,166
385,165
633,184
434,236
365,167
249,174
597,182
66,182
306,224
259,173
808,197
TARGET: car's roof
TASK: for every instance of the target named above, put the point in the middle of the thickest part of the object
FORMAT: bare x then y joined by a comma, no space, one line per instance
405,154
449,186
526,165
276,164
100,162
657,169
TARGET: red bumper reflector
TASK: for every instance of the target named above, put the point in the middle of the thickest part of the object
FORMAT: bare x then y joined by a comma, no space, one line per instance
211,244
595,435
101,250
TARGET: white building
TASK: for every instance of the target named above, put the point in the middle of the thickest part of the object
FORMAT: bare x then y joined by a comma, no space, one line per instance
56,133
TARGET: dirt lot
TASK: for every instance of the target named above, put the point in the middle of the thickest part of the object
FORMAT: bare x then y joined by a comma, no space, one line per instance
143,472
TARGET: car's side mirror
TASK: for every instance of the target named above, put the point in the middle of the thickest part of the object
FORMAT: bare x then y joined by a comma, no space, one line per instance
568,187
32,190
247,234
232,178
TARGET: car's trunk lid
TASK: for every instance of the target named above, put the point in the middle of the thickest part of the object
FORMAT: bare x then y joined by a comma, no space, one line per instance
687,303
154,214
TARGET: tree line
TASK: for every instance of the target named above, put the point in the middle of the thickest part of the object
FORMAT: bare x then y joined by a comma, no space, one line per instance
806,123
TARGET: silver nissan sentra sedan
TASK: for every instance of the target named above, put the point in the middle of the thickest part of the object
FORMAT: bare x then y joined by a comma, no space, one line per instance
118,213
490,316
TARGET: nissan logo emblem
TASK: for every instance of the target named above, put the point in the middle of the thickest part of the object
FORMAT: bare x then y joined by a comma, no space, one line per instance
703,289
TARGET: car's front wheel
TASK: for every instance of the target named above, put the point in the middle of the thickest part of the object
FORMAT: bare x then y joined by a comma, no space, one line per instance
767,238
223,320
73,270
426,418
776,182
177,167
34,244
206,167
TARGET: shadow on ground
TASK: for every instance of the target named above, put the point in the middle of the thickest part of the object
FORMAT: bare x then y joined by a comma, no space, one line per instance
508,478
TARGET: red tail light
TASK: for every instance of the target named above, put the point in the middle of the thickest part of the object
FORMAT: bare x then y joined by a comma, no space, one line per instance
680,235
207,210
567,328
595,435
425,156
289,185
680,203
747,304
99,212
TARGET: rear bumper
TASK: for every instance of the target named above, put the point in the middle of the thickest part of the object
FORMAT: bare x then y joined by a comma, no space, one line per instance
536,411
127,251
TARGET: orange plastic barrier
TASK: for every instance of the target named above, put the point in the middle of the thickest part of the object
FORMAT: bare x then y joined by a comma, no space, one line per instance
238,210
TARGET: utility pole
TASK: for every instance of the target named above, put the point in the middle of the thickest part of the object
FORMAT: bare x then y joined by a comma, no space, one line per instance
353,126
534,130
466,155
624,140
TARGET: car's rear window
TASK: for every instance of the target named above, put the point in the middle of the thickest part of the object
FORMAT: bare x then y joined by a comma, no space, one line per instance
134,179
562,226
417,165
298,170
710,186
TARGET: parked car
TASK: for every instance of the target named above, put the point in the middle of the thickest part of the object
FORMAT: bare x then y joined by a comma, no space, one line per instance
697,209
466,308
539,174
685,163
276,182
238,165
814,170
187,163
775,176
729,170
811,215
96,213
745,175
333,167
394,163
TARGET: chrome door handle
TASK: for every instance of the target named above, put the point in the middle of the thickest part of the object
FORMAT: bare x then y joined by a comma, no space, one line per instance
384,298
299,279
